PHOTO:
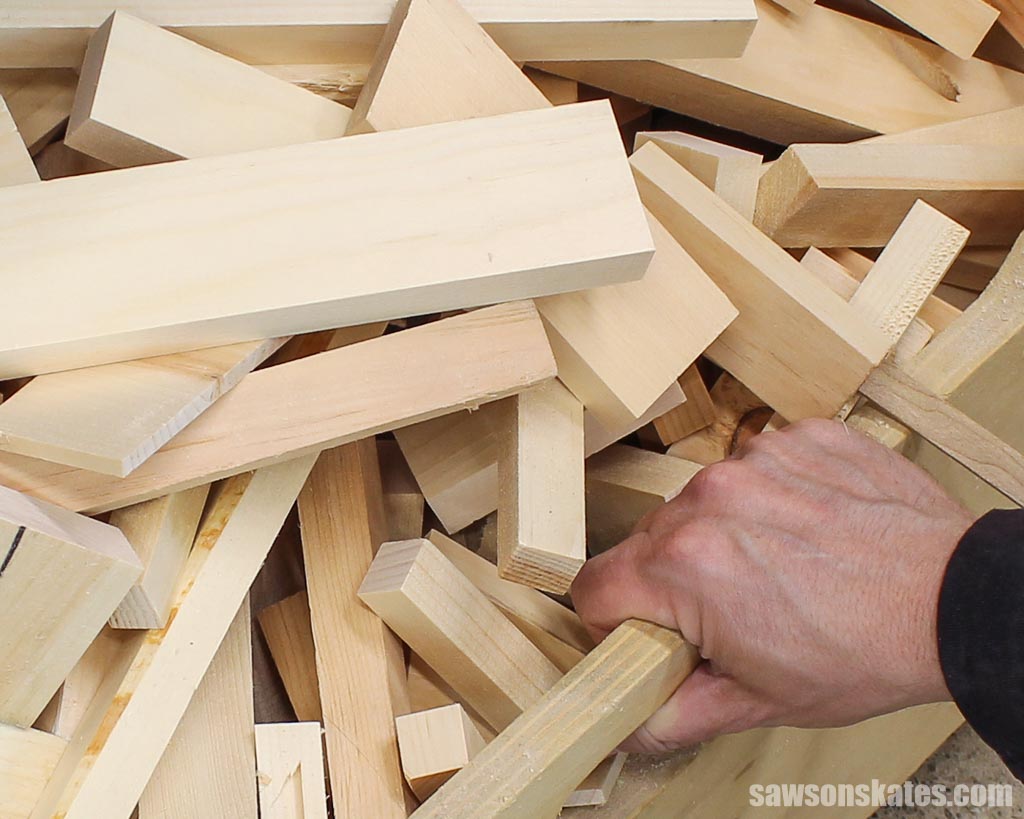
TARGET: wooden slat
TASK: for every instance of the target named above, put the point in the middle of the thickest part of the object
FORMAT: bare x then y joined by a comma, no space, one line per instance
958,26
788,323
435,745
341,510
161,532
578,223
27,759
318,402
16,166
289,634
318,32
290,771
122,738
209,767
541,519
61,576
452,625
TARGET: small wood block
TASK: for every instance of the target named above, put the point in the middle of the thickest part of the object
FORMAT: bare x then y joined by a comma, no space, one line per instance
695,414
290,771
27,760
435,745
732,402
289,633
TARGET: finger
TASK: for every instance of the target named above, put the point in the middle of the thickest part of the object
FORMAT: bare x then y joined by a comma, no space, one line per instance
703,707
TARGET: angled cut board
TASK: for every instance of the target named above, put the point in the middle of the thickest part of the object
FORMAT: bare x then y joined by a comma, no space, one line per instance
321,31
288,630
147,95
27,760
958,26
819,76
16,166
789,322
821,194
61,576
290,771
521,205
318,402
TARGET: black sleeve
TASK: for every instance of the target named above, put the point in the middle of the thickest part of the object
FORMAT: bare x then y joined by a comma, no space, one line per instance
981,632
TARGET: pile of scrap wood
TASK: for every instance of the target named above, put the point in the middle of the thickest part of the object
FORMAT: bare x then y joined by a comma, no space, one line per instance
402,277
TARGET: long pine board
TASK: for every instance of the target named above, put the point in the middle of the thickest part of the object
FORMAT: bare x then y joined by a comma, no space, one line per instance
319,402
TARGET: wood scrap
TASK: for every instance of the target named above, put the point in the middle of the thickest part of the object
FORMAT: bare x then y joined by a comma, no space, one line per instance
290,771
695,414
958,26
27,760
732,403
436,744
40,102
16,166
288,629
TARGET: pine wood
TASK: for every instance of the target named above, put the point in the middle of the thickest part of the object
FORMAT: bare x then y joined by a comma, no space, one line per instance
958,26
290,771
435,744
597,436
732,173
40,101
209,766
404,505
123,736
16,166
531,767
557,90
578,223
27,758
324,32
541,520
553,628
596,789
122,413
732,403
318,402
57,160
695,414
161,532
288,630
822,76
341,510
452,625
821,194
789,322
995,128
61,576
623,485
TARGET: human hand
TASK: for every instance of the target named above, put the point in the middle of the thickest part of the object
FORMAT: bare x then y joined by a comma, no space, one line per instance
807,569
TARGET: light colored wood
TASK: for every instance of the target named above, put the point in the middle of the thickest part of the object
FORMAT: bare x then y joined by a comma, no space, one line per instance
596,789
290,771
288,630
452,625
557,90
435,744
958,26
324,32
597,436
403,501
40,101
995,128
341,510
789,321
61,576
57,160
16,166
695,414
578,223
732,402
531,768
318,402
111,418
817,77
419,75
541,520
732,173
209,767
27,759
820,194
553,628
623,485
161,532
148,95
952,431
122,738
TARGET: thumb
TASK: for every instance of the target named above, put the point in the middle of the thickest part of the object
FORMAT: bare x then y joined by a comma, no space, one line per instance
703,707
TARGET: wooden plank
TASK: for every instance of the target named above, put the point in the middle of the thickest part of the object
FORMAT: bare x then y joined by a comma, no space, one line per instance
436,744
452,625
161,531
732,403
426,47
27,759
553,628
16,166
695,414
209,766
578,223
288,630
319,32
529,770
732,173
597,436
778,91
40,102
341,510
995,128
623,485
557,90
816,194
541,519
124,412
147,95
319,402
958,26
122,738
290,771
596,789
788,320
61,576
